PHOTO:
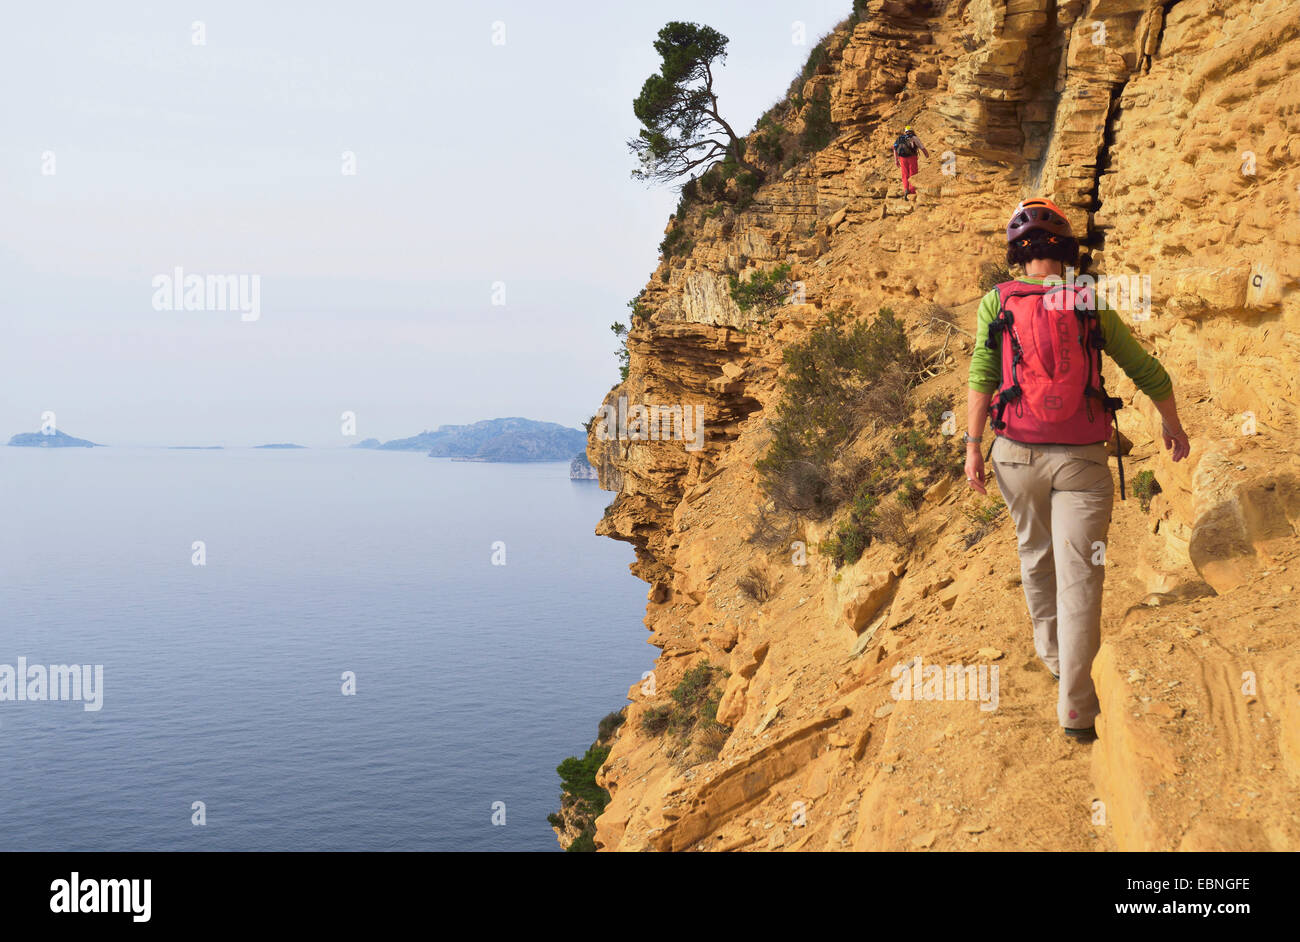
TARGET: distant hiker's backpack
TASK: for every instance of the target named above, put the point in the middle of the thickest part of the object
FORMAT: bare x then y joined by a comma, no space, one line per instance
1052,390
905,146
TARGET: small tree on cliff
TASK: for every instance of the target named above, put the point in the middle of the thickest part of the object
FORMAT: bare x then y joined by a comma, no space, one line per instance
682,130
624,358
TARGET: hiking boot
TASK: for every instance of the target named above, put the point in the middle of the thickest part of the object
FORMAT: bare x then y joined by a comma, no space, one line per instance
1088,734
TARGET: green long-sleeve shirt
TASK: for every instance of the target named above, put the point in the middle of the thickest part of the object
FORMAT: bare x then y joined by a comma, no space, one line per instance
1120,345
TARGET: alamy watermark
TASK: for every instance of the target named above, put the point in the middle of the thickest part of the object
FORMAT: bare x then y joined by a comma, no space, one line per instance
915,680
642,423
79,894
181,292
34,683
1123,293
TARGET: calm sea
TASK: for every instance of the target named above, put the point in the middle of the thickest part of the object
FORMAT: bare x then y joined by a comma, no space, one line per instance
222,683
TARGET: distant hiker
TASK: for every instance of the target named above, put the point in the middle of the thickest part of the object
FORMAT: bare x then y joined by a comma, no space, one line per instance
905,148
1041,344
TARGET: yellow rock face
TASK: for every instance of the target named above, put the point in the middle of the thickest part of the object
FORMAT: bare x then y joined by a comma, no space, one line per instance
1171,137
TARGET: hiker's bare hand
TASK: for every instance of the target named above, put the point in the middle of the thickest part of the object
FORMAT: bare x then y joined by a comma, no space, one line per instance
975,469
1177,440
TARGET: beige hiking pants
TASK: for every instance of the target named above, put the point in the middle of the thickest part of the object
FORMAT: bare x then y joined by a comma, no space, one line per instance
1060,498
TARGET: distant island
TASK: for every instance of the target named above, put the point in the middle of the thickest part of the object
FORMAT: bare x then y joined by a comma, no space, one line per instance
55,439
368,443
506,440
580,469
280,445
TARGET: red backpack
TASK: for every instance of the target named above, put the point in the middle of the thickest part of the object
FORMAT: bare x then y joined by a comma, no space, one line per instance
1052,390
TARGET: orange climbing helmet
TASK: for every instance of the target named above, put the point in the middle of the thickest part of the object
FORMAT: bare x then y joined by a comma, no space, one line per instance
1037,213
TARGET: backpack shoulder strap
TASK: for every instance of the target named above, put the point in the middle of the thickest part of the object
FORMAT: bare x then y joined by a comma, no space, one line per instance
1003,319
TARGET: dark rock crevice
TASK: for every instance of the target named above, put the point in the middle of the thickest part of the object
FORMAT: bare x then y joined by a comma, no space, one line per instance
1149,47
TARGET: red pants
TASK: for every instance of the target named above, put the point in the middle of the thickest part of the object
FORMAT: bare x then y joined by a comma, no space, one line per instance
909,167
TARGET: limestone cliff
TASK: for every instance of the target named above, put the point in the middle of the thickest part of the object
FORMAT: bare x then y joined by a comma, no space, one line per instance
1170,133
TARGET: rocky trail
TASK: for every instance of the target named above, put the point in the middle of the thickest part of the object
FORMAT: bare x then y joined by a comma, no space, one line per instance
818,725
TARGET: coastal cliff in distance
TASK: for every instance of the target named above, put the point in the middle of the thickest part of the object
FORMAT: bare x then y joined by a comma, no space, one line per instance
512,439
580,469
1169,132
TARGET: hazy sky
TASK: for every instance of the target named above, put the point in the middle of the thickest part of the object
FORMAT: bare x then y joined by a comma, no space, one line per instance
476,162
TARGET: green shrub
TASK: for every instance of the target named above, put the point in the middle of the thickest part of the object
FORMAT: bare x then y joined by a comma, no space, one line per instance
713,183
935,407
640,310
693,691
851,539
656,720
769,145
675,242
827,396
692,717
815,58
578,777
581,798
763,289
1145,487
610,724
984,512
910,462
584,843
909,493
984,516
818,129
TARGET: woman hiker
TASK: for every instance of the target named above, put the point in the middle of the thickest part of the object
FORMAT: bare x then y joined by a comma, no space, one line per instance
905,148
1039,343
